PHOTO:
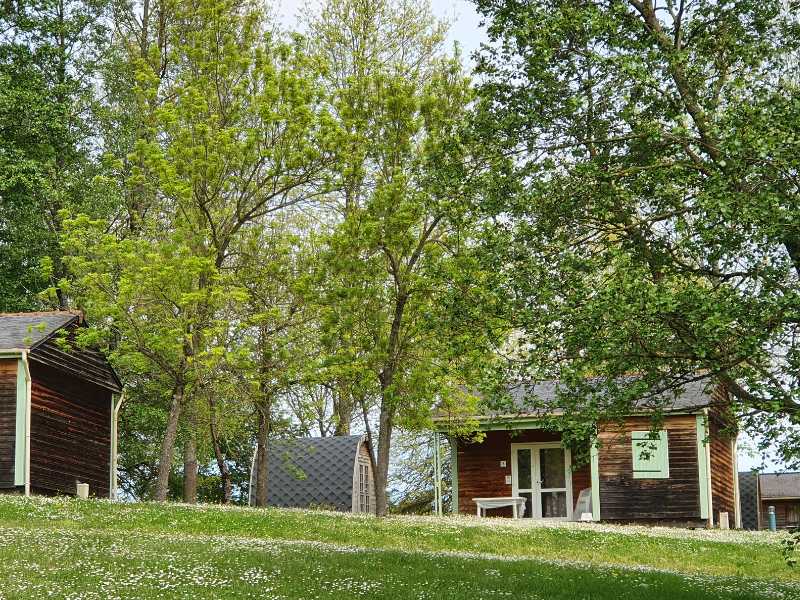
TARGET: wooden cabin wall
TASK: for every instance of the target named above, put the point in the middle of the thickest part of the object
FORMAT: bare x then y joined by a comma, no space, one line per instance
722,466
723,461
63,353
70,433
480,474
787,513
363,459
8,425
623,498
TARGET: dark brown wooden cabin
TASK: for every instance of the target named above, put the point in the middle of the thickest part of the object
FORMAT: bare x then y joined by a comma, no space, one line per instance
687,476
56,407
759,491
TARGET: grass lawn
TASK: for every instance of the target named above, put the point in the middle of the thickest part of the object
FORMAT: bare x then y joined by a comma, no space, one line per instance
94,549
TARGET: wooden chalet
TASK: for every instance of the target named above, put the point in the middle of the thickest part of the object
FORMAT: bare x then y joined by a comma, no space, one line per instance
685,474
56,407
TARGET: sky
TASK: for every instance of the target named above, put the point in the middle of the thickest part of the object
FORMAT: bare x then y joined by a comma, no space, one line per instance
464,20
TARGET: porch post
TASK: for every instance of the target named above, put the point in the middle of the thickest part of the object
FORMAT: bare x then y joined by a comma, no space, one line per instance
704,468
453,474
437,474
737,522
595,472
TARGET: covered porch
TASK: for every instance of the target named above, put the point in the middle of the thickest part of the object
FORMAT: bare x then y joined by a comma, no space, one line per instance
526,463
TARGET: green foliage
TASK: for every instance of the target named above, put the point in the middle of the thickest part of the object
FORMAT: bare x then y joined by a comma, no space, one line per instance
48,53
399,284
647,219
217,128
399,259
789,547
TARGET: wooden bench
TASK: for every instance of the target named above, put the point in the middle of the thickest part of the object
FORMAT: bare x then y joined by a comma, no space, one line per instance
516,503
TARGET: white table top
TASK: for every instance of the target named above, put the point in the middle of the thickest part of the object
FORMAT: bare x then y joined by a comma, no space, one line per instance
500,501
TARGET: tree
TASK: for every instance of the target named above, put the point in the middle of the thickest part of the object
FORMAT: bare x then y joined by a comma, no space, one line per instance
273,262
144,296
226,131
245,135
413,476
48,53
651,223
397,260
132,73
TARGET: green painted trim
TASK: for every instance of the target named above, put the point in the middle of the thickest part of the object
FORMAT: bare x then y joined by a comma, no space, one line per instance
702,464
443,425
657,465
495,426
453,473
510,425
19,432
594,455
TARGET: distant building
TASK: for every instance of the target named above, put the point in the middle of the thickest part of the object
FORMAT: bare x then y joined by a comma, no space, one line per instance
332,473
56,407
760,491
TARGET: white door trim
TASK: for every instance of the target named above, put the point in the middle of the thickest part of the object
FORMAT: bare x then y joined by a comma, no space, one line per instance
536,489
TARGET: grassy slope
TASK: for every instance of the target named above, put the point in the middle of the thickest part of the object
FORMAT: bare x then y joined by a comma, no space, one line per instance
96,549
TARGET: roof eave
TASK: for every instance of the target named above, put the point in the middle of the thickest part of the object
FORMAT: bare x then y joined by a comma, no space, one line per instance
52,333
508,421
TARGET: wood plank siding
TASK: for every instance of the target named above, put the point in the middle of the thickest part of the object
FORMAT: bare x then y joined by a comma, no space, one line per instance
363,467
787,513
70,432
8,412
623,498
480,474
63,353
722,470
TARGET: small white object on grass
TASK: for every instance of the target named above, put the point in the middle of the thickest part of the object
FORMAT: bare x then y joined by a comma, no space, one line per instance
82,490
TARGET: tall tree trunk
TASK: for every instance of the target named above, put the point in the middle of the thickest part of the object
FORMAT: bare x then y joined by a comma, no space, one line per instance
262,450
386,419
224,472
343,411
190,459
264,414
168,444
382,460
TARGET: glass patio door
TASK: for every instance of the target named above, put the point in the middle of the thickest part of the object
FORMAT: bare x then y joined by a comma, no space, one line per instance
541,474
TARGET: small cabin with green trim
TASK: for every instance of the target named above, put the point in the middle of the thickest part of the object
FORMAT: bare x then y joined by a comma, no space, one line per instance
682,473
56,407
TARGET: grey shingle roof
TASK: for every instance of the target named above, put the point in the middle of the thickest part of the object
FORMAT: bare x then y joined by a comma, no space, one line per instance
315,472
779,485
27,330
35,331
538,397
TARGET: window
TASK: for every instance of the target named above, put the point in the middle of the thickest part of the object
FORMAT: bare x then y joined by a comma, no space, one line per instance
650,455
793,515
363,487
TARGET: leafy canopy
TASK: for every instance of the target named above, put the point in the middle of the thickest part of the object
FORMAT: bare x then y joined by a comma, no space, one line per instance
651,222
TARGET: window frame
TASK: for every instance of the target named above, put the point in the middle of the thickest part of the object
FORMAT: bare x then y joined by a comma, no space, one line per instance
363,487
660,460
